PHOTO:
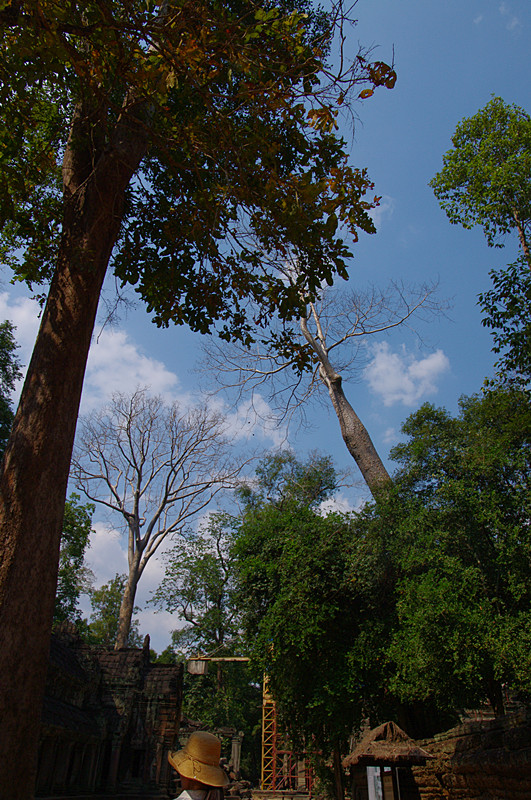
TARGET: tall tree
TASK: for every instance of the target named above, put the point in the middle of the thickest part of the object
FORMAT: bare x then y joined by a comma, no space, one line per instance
172,137
485,179
198,588
462,548
74,577
301,609
154,465
327,348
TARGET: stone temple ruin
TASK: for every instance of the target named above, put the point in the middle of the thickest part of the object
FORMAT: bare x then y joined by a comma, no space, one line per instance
109,719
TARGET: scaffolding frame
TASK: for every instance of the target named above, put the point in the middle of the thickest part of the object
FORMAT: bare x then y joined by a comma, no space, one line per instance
281,768
269,738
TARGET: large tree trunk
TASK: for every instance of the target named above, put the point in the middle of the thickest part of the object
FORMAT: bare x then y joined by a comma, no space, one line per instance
354,433
356,437
37,459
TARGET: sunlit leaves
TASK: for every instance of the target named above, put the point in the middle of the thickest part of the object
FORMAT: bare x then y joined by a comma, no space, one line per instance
507,307
243,172
463,546
485,179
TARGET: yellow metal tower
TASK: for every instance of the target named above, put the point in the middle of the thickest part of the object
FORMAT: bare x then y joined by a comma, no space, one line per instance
269,738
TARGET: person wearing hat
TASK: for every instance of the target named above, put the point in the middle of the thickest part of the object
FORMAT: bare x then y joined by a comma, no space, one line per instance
198,766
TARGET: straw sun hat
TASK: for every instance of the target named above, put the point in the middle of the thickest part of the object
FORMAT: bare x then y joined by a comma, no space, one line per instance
199,759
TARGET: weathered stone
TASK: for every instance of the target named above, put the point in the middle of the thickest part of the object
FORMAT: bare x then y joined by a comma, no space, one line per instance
479,760
109,719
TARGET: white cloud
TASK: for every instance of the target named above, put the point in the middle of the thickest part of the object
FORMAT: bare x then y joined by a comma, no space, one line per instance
159,625
254,418
402,378
382,212
390,436
24,313
116,364
478,19
340,503
107,553
513,23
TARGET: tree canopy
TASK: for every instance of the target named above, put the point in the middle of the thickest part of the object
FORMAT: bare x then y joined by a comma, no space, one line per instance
240,164
460,539
198,588
485,179
416,606
506,308
301,608
192,144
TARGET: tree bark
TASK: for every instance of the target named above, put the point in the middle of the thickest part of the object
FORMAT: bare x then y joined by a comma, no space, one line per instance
523,239
37,458
338,774
127,605
354,433
357,439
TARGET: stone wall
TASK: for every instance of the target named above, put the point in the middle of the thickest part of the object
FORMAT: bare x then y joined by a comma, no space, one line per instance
109,719
479,760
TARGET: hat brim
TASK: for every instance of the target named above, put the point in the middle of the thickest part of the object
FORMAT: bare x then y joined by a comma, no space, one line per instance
196,770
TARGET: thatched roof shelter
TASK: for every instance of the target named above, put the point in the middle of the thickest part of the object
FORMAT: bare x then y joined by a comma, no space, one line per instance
386,746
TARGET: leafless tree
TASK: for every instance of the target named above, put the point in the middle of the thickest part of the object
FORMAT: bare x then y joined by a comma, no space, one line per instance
156,466
331,344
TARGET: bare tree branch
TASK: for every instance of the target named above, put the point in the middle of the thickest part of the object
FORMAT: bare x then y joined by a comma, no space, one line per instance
296,369
156,466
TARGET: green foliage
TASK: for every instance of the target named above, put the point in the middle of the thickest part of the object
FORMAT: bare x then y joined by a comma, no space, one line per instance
242,168
198,587
103,626
415,607
74,577
293,581
9,373
462,550
507,306
230,695
485,179
282,478
302,607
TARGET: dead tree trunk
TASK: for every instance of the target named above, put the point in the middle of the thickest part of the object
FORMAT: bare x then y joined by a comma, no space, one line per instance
354,433
127,605
356,437
37,459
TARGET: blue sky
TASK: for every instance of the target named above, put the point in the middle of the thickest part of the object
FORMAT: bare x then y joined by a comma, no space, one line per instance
450,58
